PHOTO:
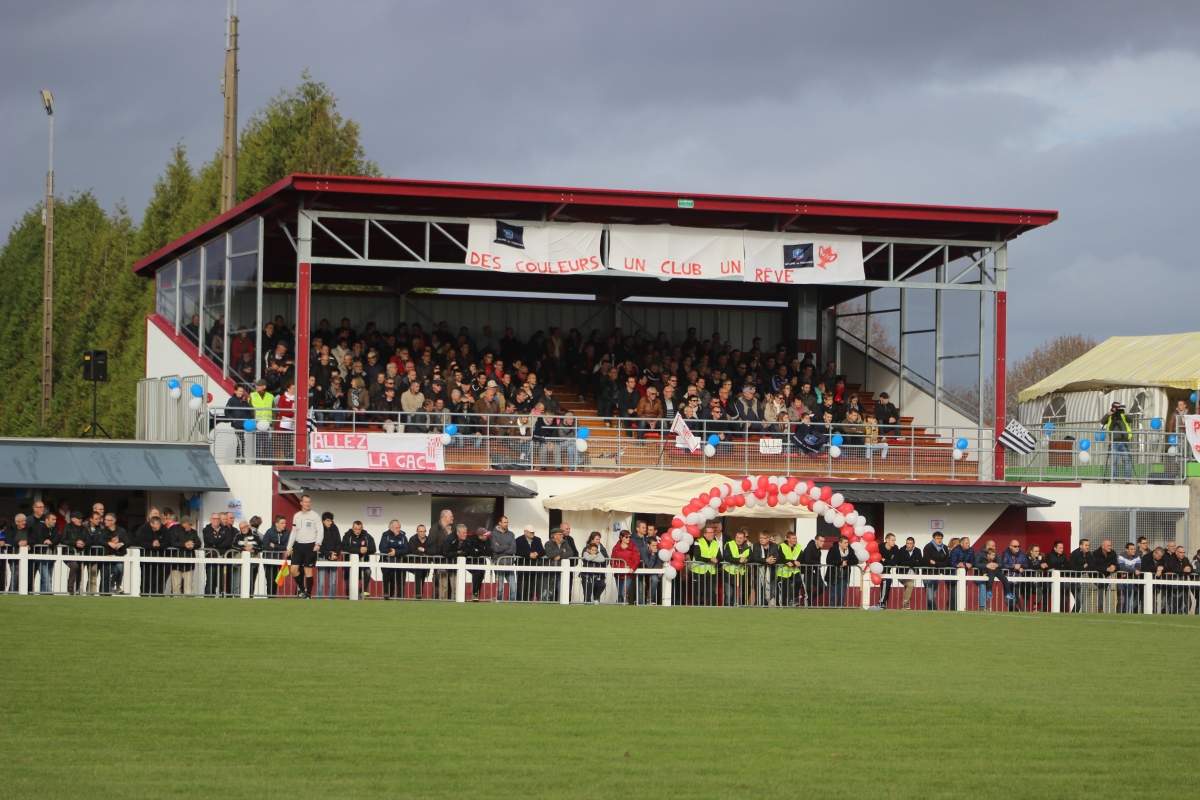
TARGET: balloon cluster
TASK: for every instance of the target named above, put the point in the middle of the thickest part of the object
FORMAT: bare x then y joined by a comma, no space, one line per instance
960,448
449,432
1085,446
196,401
835,445
581,439
250,425
770,491
710,447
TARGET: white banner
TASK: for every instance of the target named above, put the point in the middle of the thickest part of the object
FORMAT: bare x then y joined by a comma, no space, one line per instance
1191,424
798,258
392,452
546,248
684,438
665,251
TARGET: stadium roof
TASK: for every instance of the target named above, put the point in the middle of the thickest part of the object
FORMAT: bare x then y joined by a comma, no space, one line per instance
403,483
1169,361
422,197
103,464
939,494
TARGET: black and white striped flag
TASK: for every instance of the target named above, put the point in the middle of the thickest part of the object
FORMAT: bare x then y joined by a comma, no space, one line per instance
1017,438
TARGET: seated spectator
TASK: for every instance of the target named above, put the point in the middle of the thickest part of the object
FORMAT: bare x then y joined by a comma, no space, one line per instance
872,442
649,412
888,416
748,410
808,438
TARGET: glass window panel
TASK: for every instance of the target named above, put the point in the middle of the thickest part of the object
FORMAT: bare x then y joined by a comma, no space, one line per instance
189,295
244,238
167,280
243,316
214,300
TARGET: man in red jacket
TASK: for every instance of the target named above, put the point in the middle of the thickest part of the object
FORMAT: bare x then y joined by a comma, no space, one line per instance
625,553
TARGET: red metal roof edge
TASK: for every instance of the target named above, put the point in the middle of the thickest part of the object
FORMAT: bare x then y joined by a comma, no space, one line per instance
746,204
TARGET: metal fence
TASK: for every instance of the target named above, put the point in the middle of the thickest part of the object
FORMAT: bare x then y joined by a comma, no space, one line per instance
164,416
619,444
1145,456
1160,526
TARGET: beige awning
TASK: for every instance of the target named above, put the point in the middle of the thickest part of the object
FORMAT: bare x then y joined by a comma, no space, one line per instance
1168,361
653,491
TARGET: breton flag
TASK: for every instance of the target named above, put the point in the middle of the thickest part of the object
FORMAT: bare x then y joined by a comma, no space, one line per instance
1016,438
684,438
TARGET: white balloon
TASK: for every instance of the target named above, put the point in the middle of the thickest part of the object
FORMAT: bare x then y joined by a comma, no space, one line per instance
791,498
820,506
687,539
835,452
838,520
828,515
581,445
1173,450
694,518
860,526
195,403
664,555
815,493
773,480
868,529
1085,457
682,547
175,393
837,499
709,451
958,454
715,502
447,438
709,513
751,500
263,425
669,572
726,490
877,568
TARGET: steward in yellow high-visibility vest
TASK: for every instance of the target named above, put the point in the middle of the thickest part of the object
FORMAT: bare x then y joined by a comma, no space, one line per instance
737,555
262,402
788,572
706,553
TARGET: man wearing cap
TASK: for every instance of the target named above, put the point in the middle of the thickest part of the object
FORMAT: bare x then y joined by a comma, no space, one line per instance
764,556
529,552
556,553
1120,432
937,562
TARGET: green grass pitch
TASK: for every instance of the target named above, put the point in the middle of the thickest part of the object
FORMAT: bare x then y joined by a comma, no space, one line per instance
114,697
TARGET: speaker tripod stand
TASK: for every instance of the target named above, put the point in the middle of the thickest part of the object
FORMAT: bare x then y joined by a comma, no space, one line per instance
94,426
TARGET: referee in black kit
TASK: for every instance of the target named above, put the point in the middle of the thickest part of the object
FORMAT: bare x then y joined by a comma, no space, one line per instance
303,545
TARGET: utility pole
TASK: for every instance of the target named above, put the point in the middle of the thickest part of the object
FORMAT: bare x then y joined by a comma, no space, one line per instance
48,270
229,88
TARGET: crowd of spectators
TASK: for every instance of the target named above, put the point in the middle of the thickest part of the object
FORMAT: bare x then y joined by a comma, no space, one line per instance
734,568
414,380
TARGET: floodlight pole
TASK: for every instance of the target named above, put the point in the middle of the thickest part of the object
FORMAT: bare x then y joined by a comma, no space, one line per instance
48,269
229,88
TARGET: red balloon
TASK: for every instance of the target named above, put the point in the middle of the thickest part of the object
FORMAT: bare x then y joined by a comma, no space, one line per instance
694,530
852,537
741,500
676,522
872,547
210,397
848,532
845,508
868,536
874,558
760,493
746,484
772,500
875,579
721,509
772,489
826,493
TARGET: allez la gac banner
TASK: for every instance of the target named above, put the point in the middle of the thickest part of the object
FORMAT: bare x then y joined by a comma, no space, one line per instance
798,258
667,251
1191,424
391,452
539,248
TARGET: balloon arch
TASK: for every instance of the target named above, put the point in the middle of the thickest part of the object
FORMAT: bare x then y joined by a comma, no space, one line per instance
771,491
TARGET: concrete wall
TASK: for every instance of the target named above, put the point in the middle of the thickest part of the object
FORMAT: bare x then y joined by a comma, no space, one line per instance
906,519
250,493
164,358
1069,500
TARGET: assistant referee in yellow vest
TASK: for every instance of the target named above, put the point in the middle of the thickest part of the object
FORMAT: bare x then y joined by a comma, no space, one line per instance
734,577
702,567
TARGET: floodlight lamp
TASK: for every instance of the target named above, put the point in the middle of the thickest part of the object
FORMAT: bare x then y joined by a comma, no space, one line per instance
48,101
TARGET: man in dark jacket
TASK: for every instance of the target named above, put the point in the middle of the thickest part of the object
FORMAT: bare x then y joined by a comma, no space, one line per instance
151,539
392,549
218,540
888,557
529,552
76,539
840,559
888,416
936,558
116,541
1082,563
185,539
628,398
763,557
504,550
647,586
439,534
274,545
909,559
358,542
419,551
1120,433
812,558
557,552
987,563
237,411
1104,562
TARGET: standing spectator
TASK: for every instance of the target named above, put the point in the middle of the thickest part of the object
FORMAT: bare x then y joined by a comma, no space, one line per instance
237,411
788,571
152,540
392,549
116,542
1129,566
76,539
1120,434
1059,561
593,582
706,553
937,562
557,553
1081,564
625,557
439,535
263,403
419,551
43,538
909,560
840,559
987,563
247,540
764,556
812,558
1016,564
358,542
647,586
1104,562
504,550
218,539
1039,591
529,552
186,540
889,557
274,544
735,558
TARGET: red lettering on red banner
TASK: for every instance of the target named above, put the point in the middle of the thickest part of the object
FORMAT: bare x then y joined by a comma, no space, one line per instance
340,441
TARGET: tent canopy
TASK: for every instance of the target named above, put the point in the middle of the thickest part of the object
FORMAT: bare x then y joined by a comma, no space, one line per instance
1169,361
652,491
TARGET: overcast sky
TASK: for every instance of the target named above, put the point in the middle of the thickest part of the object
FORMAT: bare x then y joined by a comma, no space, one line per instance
1090,108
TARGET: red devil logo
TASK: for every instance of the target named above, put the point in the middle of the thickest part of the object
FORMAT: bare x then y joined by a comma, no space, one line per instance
826,255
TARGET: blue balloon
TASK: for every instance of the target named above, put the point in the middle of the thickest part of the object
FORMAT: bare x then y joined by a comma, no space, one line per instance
713,439
1049,426
197,390
962,443
248,424
1085,445
1101,436
1156,423
583,433
837,440
1194,397
1172,439
173,383
451,429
